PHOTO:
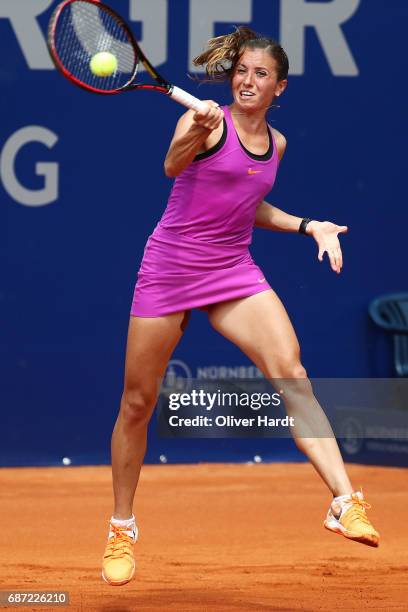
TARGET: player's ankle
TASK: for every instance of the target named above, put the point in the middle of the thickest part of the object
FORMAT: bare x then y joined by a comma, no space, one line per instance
122,517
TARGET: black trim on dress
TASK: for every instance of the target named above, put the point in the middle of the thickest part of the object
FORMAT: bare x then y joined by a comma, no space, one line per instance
266,155
216,147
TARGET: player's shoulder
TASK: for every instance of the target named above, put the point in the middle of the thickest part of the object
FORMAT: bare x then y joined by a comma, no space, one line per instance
278,135
280,140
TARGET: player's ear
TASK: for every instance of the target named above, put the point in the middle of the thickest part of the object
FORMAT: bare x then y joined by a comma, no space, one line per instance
281,87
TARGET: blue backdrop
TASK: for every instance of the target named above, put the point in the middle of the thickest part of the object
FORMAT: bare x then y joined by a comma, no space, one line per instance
82,186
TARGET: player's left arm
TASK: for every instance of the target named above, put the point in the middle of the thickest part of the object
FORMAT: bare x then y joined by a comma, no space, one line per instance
324,232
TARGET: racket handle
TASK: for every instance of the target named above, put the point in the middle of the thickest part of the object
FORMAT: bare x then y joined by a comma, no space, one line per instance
181,96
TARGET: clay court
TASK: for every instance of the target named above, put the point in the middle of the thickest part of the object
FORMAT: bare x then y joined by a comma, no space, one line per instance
212,537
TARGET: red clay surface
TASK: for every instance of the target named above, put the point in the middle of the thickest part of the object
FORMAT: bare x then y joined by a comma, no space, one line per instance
212,537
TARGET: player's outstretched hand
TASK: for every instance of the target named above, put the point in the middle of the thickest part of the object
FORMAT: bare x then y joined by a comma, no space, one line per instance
211,117
326,235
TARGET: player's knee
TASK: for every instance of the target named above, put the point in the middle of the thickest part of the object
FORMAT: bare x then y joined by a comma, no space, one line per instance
136,406
297,371
289,369
293,380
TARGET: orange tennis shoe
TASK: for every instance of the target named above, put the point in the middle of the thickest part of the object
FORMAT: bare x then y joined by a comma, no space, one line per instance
348,517
118,564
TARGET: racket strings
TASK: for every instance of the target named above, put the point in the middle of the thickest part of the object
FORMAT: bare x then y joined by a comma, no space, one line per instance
84,29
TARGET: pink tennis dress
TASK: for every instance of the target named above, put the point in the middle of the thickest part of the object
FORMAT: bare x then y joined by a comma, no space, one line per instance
198,252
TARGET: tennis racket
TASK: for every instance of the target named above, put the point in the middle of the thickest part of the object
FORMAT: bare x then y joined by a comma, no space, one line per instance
81,29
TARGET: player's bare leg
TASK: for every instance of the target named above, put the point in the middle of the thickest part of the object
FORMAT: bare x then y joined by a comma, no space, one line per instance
150,344
260,327
151,341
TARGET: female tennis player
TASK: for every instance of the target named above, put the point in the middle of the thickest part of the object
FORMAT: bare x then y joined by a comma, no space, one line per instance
224,161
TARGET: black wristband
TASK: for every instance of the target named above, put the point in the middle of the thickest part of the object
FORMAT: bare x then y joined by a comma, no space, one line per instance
303,225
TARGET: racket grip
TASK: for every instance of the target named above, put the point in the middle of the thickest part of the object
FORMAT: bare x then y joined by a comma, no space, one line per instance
183,97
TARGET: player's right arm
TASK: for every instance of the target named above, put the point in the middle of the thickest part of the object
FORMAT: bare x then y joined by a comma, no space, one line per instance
193,132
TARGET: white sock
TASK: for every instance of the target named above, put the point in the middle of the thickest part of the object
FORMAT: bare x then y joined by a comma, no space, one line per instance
346,498
341,498
123,522
130,523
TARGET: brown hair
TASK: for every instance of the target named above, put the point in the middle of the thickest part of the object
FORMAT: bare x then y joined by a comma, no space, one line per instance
223,52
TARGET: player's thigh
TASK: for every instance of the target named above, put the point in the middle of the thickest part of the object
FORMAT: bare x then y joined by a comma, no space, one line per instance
260,326
150,343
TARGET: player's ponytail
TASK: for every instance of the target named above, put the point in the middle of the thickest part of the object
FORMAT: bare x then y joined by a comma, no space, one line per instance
223,52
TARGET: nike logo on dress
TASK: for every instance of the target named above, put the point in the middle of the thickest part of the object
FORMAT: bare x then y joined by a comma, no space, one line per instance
250,171
261,280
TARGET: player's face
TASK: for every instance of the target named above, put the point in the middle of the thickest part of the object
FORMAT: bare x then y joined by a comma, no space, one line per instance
255,80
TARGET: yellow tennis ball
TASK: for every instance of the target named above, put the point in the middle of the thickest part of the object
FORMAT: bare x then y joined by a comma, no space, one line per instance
103,64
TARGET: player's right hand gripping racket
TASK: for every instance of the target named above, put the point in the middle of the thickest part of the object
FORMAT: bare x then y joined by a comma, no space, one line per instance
79,30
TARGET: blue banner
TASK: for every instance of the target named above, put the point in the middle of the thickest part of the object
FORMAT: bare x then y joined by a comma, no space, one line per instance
82,186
